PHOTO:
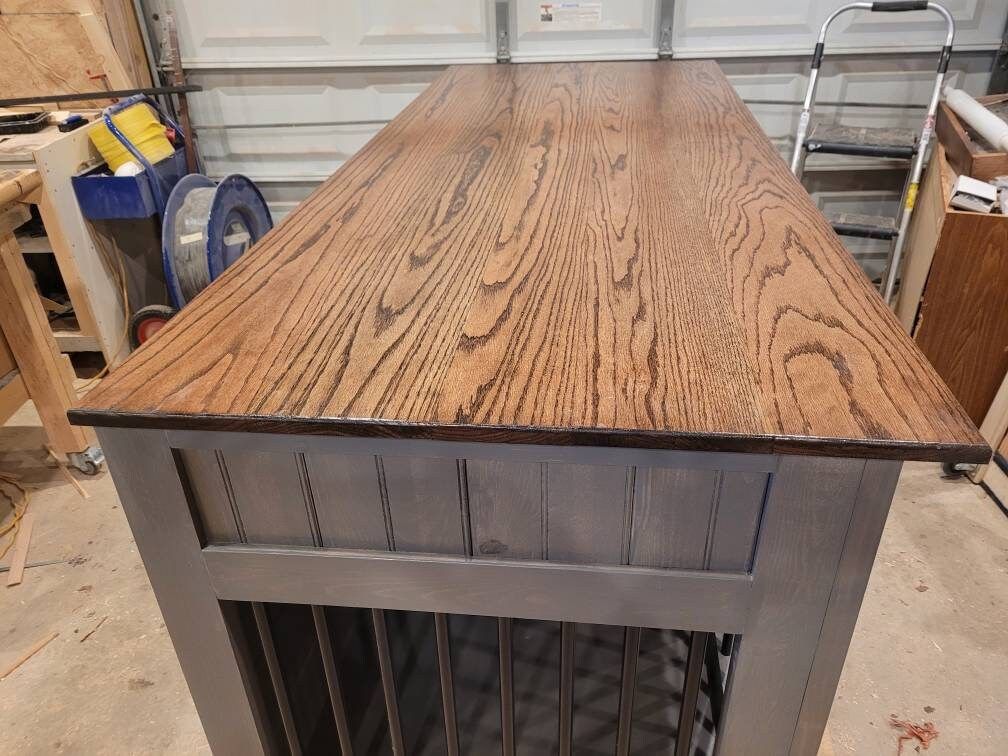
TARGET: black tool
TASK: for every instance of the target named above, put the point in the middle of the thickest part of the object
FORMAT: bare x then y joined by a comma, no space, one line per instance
72,122
23,123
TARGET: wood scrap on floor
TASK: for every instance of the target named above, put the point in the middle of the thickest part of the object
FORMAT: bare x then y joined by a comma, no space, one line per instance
67,474
29,654
92,631
922,733
20,554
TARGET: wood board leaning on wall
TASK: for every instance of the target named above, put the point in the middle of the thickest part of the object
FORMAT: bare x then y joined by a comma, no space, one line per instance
63,46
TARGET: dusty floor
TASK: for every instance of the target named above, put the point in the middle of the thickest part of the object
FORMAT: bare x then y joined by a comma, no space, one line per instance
930,645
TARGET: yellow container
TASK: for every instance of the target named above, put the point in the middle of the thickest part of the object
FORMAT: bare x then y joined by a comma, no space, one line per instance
140,125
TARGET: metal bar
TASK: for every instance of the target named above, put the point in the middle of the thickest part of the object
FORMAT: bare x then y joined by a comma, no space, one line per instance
913,183
506,686
99,95
691,599
691,691
715,679
276,677
566,688
631,653
332,680
447,684
388,681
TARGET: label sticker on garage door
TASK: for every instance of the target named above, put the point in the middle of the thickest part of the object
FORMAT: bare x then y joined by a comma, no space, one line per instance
578,15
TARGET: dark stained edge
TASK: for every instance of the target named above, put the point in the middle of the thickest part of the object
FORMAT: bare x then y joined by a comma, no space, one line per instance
919,451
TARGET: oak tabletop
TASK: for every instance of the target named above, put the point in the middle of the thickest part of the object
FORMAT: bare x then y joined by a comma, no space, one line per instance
595,253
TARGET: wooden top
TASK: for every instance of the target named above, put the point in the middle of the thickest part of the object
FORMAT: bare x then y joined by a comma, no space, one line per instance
601,253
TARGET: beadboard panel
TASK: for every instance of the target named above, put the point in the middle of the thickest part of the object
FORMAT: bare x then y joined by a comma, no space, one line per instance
669,518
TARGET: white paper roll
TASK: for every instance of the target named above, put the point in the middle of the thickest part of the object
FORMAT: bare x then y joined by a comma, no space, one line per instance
986,124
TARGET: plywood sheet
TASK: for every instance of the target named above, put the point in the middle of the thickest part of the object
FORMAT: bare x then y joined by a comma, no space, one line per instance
55,53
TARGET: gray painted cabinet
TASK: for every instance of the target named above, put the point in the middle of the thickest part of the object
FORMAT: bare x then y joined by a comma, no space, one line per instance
673,551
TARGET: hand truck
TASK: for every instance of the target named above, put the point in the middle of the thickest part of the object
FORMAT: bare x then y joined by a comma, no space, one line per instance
886,143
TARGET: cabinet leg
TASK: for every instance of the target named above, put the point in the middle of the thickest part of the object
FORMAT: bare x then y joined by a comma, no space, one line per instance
817,543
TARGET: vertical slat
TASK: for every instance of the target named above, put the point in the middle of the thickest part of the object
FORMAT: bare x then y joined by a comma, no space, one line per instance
566,688
740,503
585,513
447,683
348,501
671,517
691,691
332,680
211,499
505,509
424,504
388,681
308,496
715,679
506,675
270,496
276,677
628,681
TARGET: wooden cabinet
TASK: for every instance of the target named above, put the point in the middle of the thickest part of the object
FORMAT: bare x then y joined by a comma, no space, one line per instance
954,296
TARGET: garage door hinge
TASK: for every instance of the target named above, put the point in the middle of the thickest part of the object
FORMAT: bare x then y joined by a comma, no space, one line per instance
503,40
665,43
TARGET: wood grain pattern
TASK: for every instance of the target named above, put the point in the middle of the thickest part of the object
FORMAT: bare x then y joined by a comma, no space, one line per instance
599,254
963,321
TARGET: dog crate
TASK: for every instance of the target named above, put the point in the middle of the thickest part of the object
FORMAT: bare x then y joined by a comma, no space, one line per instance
370,681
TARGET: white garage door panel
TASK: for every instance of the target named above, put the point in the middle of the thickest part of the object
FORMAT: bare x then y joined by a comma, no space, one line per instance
776,27
600,29
340,96
283,196
264,33
272,154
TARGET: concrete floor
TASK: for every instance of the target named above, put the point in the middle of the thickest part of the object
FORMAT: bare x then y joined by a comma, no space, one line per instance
931,643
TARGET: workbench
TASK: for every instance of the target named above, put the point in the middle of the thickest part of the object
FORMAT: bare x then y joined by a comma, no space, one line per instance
84,254
31,366
566,347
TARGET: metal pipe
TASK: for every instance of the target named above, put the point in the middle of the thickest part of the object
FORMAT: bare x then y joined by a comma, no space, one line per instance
447,684
388,681
506,674
276,677
113,94
566,688
631,653
332,680
917,168
691,692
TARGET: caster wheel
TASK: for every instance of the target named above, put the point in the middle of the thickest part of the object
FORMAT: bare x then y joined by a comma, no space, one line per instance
89,462
956,469
147,321
88,467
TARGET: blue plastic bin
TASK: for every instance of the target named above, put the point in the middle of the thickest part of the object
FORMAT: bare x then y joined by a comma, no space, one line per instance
102,196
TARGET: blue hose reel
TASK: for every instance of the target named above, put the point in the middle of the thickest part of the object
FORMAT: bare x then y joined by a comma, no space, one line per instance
205,228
